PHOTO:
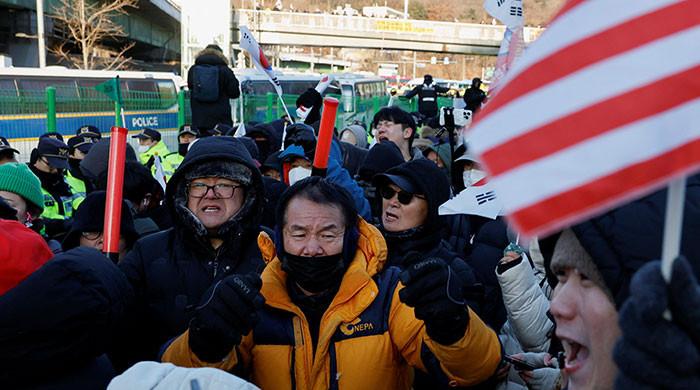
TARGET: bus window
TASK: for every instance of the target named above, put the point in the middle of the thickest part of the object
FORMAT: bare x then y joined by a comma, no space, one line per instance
141,86
347,98
166,90
65,89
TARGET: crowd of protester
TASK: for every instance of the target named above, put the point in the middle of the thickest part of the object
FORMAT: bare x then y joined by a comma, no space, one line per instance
246,262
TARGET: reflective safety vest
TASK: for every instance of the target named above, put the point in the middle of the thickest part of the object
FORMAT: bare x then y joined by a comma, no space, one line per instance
52,209
77,187
174,159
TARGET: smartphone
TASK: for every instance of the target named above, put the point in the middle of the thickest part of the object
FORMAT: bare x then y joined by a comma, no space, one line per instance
519,365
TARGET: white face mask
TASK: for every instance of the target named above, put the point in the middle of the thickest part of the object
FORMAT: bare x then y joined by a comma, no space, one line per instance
143,148
298,173
472,176
302,112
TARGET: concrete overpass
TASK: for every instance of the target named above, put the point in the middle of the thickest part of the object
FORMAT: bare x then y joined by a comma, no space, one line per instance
324,30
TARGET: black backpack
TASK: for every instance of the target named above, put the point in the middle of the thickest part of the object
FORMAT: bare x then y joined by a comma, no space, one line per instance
205,87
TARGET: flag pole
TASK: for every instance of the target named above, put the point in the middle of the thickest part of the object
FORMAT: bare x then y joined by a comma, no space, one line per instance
673,226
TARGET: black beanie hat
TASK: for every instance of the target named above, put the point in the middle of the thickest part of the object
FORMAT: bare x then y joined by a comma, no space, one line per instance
428,179
379,159
90,217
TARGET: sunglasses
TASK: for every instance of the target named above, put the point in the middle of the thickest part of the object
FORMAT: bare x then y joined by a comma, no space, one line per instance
404,197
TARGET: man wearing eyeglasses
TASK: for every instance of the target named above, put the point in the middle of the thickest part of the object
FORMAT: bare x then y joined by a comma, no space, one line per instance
326,314
396,125
215,198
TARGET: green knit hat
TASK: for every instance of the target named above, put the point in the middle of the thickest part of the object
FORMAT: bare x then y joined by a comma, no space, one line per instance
17,178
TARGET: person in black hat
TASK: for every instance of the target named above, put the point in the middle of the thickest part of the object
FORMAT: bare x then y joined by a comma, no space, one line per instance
7,152
380,158
78,148
266,139
185,137
211,83
88,225
411,194
48,162
89,131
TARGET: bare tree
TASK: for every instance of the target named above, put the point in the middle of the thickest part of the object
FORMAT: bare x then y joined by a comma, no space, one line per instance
87,25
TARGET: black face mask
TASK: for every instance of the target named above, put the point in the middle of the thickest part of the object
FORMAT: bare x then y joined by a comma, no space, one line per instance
314,274
182,149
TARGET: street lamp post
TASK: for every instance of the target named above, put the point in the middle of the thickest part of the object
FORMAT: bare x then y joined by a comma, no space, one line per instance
40,32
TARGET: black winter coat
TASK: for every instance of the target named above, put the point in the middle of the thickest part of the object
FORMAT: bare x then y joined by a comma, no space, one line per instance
171,270
205,115
55,326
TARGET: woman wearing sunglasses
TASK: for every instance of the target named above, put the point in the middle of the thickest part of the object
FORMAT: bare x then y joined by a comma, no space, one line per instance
411,194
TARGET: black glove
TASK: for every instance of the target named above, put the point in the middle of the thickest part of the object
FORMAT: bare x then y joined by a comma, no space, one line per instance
654,352
227,312
436,294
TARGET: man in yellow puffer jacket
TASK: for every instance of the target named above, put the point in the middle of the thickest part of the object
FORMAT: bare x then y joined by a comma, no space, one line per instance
326,315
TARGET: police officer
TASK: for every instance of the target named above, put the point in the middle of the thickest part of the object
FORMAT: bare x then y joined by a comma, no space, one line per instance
427,96
185,136
78,147
47,162
150,148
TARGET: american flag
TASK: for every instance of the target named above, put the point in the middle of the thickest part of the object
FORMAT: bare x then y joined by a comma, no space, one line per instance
602,108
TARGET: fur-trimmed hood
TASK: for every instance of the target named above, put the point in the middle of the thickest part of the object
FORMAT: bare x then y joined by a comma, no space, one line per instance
206,151
210,57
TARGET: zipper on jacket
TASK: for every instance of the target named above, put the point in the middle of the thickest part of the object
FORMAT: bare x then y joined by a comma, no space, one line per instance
215,263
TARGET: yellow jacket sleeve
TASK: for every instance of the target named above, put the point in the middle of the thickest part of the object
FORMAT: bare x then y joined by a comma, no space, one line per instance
180,354
469,361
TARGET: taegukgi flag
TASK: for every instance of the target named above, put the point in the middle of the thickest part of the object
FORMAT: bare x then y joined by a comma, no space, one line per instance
249,44
602,108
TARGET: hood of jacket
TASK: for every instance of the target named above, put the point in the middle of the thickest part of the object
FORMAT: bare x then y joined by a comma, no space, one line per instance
360,135
207,150
211,57
370,258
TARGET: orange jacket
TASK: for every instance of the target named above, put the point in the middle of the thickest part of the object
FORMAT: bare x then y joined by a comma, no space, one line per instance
368,338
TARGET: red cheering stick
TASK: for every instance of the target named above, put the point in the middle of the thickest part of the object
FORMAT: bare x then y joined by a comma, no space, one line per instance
115,185
325,135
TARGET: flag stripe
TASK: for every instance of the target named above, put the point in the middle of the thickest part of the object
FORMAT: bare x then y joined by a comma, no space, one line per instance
589,19
588,86
620,38
595,158
595,120
561,210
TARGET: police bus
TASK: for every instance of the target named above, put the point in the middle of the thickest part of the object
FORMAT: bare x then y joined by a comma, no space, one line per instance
360,94
150,100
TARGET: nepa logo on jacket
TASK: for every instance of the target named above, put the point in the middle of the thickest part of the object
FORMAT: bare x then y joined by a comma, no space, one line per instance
356,325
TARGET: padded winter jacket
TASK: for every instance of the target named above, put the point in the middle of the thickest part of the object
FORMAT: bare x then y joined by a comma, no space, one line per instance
526,307
368,338
170,270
